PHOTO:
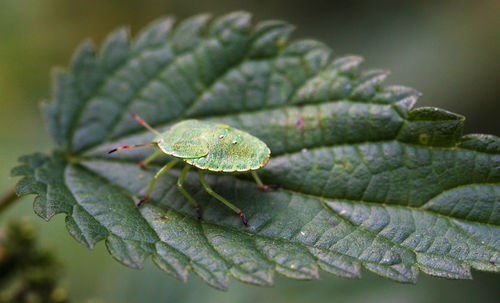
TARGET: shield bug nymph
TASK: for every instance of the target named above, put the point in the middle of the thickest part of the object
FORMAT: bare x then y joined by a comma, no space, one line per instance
206,146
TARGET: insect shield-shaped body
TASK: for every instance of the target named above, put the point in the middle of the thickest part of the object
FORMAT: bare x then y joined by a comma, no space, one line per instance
214,147
207,146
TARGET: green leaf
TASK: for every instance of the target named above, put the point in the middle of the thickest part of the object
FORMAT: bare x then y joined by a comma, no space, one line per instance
365,179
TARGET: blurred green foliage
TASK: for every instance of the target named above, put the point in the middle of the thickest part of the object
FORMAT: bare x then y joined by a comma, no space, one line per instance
29,274
446,49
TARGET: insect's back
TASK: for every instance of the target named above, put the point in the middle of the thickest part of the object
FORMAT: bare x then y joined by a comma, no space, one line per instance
214,146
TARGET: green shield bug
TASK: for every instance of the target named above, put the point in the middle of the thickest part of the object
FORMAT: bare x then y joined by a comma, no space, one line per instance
206,146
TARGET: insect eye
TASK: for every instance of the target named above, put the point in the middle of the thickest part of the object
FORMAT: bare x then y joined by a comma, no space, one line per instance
236,140
223,134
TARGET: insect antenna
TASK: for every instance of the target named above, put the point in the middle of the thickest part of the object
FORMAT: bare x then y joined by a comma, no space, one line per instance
129,146
144,123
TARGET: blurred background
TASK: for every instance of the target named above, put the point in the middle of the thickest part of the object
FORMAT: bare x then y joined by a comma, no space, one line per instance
448,50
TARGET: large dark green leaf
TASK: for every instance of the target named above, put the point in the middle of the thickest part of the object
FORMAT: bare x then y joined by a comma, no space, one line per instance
364,178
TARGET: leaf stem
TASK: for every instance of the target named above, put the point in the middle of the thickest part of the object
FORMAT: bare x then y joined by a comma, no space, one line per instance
7,199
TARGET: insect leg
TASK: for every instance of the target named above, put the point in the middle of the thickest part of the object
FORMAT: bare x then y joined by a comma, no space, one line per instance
129,146
260,184
160,173
142,164
143,123
180,181
218,197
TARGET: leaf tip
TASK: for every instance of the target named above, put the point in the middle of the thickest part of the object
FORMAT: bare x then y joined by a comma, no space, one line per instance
269,37
481,142
433,127
84,51
347,64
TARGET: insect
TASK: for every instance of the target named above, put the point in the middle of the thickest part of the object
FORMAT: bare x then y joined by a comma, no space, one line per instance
206,146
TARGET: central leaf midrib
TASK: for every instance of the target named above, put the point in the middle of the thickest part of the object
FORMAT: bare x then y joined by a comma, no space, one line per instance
419,207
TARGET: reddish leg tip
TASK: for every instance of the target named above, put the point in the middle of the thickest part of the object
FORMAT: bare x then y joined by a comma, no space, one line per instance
263,187
198,212
141,165
143,200
268,187
243,218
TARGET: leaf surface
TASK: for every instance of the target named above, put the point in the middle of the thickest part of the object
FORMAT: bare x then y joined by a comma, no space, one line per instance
365,179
